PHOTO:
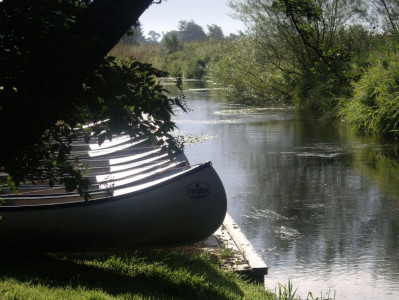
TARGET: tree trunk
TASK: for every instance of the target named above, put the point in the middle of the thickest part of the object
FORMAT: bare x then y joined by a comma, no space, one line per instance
50,93
97,31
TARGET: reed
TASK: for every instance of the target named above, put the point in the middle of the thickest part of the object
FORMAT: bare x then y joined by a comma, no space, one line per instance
287,292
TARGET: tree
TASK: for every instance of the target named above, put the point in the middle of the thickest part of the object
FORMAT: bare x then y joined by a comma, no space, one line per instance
134,36
301,39
237,67
153,37
215,32
55,76
172,42
191,31
233,36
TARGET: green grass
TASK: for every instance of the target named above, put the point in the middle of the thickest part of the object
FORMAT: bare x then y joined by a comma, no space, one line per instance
375,103
191,61
139,275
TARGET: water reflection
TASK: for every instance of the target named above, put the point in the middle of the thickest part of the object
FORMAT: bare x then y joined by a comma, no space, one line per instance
317,200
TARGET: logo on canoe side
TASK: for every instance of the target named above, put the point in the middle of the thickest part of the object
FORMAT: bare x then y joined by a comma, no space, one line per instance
197,190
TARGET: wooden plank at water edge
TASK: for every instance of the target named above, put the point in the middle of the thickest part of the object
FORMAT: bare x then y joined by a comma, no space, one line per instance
255,261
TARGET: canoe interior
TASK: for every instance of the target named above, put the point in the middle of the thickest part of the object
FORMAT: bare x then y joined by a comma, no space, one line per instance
142,163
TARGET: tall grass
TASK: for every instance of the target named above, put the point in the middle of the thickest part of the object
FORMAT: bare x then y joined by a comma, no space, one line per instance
375,103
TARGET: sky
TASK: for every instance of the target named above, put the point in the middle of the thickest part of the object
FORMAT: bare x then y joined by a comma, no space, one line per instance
165,17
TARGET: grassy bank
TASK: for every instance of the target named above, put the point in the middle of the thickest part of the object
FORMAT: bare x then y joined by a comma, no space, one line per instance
138,275
190,60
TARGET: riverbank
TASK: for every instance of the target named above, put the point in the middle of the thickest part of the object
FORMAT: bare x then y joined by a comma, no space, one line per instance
182,273
208,269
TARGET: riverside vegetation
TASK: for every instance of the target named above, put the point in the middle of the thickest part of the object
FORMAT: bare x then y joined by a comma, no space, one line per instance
338,56
334,55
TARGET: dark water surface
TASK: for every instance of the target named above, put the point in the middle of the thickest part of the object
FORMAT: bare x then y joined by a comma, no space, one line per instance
318,201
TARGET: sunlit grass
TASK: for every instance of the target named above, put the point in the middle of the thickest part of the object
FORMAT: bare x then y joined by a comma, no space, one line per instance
139,275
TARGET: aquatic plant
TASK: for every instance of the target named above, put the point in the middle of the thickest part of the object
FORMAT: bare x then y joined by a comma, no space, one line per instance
287,292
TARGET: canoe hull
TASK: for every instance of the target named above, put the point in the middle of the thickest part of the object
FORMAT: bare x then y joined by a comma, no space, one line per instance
180,210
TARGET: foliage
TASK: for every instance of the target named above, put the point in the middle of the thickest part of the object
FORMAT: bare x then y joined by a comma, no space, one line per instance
192,60
187,51
191,31
48,89
299,42
375,103
127,94
134,36
315,48
153,37
172,43
238,68
308,18
215,32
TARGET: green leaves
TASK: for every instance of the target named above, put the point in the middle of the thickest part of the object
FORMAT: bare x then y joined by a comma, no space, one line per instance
172,42
299,8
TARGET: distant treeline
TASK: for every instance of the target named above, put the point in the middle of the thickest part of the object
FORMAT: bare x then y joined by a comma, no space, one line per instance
188,31
187,51
339,56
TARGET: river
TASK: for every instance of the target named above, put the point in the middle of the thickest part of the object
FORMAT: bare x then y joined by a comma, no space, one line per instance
319,201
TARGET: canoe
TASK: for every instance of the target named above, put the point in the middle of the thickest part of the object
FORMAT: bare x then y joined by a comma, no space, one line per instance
137,201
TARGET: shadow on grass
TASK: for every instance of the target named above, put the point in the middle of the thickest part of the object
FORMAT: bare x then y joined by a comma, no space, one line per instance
88,271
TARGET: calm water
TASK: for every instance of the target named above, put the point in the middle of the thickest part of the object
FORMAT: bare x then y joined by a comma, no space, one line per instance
319,202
